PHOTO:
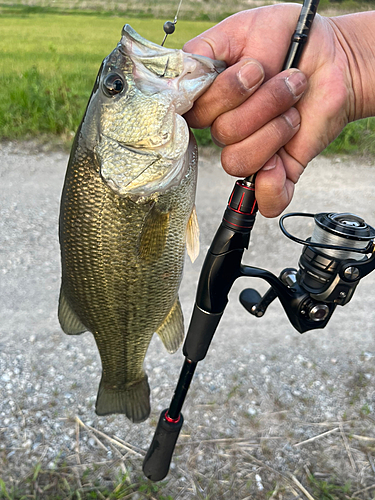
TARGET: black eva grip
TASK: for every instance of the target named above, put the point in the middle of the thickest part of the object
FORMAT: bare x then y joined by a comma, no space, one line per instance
157,461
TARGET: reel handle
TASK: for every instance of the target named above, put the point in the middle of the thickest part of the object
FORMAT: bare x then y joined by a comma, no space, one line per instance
159,455
254,303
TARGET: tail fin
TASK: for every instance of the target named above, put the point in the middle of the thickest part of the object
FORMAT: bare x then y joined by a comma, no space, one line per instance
134,401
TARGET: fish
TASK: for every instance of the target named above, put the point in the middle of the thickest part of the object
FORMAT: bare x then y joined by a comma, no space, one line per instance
127,213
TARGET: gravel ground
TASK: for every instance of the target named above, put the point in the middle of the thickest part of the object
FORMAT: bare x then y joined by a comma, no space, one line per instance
261,392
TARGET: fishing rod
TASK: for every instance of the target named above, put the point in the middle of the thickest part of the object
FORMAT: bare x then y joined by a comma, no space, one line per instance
339,253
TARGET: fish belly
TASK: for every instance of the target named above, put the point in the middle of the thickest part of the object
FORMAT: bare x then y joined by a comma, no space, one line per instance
122,266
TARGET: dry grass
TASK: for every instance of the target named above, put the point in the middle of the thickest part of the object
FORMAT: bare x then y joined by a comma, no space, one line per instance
337,462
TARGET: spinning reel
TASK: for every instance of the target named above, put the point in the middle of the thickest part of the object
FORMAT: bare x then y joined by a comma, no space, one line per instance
331,265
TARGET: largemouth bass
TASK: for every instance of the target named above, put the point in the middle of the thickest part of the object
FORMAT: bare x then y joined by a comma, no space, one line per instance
127,211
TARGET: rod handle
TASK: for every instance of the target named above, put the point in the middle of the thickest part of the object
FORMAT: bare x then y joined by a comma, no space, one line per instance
158,458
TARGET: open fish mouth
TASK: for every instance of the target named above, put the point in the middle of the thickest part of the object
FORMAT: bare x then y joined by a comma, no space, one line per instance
156,66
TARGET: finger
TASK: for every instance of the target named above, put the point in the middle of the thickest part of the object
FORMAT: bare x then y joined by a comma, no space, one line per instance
273,189
218,43
275,183
249,34
230,89
293,168
272,99
249,155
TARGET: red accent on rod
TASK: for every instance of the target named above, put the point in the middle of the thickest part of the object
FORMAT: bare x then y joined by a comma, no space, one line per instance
171,420
231,196
252,210
244,213
236,225
241,200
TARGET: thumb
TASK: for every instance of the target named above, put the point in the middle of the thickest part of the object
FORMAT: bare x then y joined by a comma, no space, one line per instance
219,42
201,46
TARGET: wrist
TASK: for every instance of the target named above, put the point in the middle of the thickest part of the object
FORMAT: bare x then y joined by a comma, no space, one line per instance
355,34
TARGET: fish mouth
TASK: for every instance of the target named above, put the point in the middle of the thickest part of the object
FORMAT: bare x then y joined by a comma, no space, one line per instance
158,68
134,44
165,83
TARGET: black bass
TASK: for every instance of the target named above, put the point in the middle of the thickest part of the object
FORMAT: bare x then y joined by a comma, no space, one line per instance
127,213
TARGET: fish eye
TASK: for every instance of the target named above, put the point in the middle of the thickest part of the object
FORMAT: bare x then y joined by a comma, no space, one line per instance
113,84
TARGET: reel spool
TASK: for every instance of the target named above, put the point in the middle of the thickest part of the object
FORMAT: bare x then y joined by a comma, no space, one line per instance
336,238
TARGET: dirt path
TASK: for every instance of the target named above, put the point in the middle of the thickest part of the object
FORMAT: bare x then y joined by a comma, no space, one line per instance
262,390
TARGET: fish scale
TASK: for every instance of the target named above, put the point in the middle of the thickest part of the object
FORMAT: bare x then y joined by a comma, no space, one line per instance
122,248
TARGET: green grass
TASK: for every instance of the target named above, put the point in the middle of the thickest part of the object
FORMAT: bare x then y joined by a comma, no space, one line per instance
50,57
42,484
49,63
357,137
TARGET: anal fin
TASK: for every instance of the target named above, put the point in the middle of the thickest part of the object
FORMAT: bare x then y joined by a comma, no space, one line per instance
171,331
192,236
133,401
69,321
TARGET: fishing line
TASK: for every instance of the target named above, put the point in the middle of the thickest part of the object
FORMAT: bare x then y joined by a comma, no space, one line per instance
170,26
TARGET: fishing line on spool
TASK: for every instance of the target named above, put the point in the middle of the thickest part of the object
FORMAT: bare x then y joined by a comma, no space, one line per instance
335,232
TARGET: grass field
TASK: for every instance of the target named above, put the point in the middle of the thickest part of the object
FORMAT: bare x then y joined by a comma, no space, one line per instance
49,63
50,57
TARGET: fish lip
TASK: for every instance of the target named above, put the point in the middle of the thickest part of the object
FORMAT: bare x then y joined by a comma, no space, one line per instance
129,32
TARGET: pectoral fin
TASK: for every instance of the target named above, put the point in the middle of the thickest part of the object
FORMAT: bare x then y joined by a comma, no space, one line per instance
171,332
69,321
154,235
192,236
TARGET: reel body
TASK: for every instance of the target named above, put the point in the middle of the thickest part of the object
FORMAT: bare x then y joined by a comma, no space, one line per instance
338,254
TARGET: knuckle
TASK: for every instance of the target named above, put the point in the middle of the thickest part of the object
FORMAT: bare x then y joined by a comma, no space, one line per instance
279,96
200,115
279,131
224,131
230,161
237,162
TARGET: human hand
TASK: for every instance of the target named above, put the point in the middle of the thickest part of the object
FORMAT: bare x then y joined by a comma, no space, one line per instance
268,127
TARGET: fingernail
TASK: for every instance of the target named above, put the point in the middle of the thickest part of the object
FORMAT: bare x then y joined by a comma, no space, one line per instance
292,117
296,82
270,164
250,74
